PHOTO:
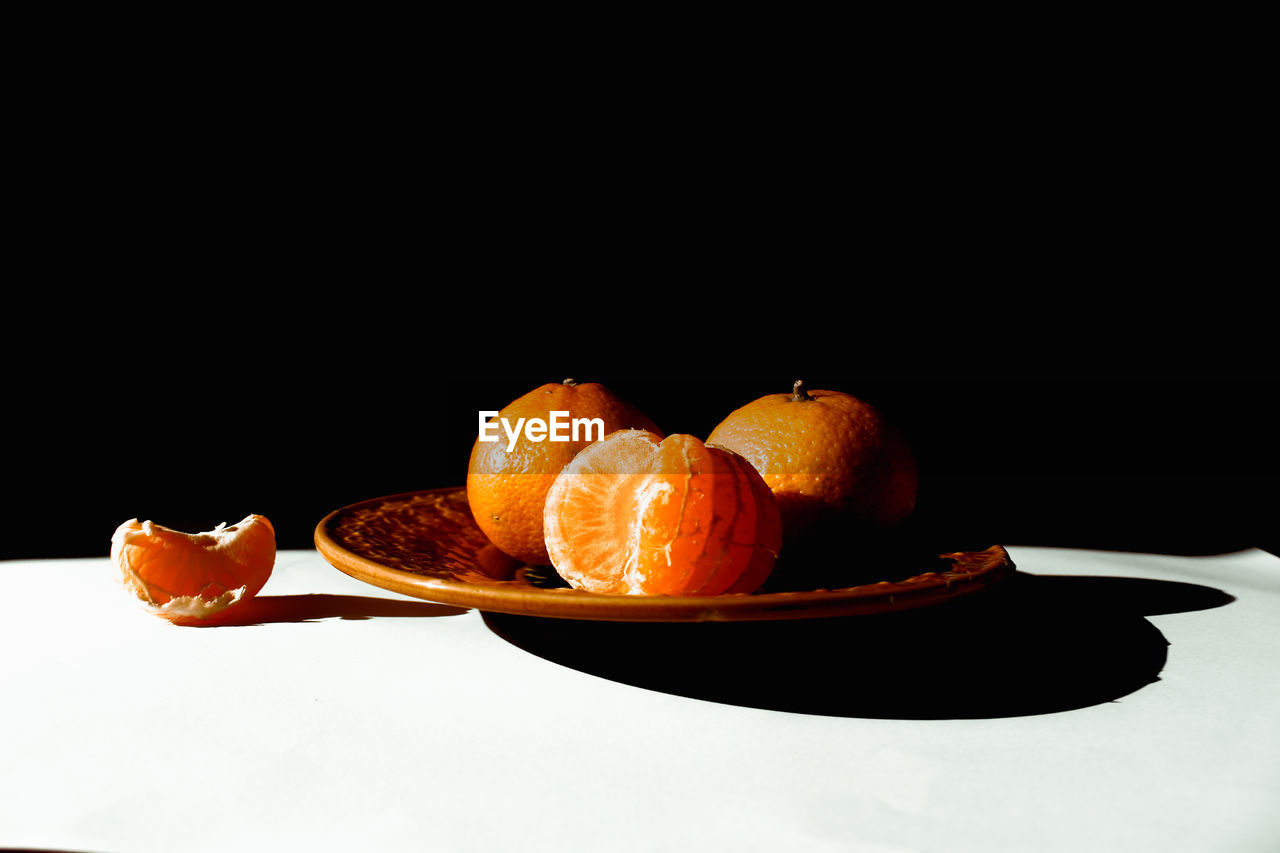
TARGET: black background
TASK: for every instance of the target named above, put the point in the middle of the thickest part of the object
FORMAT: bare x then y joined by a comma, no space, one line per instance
1058,301
1042,435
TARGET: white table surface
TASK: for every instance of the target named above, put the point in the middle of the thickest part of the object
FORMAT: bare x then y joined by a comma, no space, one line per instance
348,717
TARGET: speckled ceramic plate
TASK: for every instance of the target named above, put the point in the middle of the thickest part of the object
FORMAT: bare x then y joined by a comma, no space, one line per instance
426,545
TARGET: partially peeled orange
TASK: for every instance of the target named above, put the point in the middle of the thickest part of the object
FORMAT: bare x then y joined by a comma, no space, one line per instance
636,514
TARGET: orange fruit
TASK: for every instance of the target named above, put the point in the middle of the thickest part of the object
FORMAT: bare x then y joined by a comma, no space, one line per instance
506,489
825,455
193,577
638,515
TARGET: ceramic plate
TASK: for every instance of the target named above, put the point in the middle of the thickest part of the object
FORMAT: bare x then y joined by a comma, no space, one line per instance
426,545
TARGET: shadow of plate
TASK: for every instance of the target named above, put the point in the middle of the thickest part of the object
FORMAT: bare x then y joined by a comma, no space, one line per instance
1035,645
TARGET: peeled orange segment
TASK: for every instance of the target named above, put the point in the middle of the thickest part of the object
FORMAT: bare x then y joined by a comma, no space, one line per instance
191,577
634,514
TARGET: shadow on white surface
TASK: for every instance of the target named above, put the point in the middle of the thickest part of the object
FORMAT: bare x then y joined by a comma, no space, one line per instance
1040,644
314,607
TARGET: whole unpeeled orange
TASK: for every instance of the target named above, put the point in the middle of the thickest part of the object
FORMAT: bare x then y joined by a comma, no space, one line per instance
507,489
638,515
194,577
826,455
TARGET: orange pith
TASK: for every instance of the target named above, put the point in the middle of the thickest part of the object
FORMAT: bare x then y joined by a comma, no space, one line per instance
639,515
824,454
507,491
190,577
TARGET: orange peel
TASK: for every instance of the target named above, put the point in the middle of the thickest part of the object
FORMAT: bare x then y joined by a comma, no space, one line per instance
189,578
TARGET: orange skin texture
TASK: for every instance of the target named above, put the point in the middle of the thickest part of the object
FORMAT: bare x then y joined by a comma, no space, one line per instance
829,457
215,573
639,515
507,491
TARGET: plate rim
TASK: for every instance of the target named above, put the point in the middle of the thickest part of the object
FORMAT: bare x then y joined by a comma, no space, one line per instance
864,599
